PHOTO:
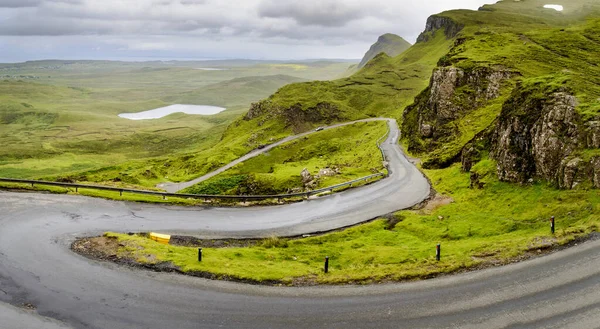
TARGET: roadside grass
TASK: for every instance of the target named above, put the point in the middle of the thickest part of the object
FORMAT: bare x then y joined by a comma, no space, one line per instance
481,227
350,149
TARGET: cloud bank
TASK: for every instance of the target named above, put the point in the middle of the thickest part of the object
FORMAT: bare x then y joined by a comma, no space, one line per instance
208,28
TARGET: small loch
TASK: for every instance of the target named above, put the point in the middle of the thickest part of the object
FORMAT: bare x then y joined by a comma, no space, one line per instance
177,108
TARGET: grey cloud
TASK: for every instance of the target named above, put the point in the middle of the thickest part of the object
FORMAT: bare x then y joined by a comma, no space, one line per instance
329,13
19,3
317,26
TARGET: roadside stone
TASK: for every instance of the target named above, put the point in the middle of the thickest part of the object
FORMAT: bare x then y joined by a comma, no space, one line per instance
306,176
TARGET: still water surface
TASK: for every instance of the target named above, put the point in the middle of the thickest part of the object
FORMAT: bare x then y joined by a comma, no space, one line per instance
164,111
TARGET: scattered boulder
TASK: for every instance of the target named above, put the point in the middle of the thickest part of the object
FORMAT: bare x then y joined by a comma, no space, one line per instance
328,172
434,23
306,176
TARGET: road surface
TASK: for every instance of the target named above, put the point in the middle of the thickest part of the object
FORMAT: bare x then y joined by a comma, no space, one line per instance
37,267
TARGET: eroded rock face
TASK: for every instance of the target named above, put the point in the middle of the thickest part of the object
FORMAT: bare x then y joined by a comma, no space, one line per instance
513,151
535,139
434,23
595,164
452,94
568,176
299,119
593,134
443,85
257,109
555,135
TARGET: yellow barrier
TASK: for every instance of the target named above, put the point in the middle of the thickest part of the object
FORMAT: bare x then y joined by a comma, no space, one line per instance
160,238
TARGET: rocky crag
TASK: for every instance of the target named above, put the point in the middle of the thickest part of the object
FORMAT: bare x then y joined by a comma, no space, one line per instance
528,100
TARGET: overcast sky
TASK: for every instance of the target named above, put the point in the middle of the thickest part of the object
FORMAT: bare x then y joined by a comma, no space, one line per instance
207,29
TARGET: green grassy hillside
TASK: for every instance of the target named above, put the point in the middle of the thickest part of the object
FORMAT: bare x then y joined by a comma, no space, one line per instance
59,118
382,88
332,157
498,225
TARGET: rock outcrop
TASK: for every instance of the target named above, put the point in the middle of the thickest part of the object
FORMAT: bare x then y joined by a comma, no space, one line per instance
435,23
537,135
452,94
311,182
306,177
541,138
298,118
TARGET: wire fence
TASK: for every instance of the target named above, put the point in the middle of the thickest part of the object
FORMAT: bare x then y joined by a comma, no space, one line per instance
307,194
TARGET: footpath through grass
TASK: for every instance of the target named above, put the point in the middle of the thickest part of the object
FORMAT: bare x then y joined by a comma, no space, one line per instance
481,227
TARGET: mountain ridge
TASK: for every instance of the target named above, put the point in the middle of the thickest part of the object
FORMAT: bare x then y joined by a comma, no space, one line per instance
390,44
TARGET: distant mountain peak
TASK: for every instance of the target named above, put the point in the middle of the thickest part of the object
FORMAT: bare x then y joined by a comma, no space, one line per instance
390,44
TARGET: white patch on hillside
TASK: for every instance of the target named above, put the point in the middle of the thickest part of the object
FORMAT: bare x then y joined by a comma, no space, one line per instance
555,7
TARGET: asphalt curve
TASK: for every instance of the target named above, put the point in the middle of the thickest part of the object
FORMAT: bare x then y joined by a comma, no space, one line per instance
37,267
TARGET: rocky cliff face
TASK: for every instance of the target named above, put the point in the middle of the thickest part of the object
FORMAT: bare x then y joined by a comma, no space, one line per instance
537,135
447,100
435,22
295,116
543,138
452,94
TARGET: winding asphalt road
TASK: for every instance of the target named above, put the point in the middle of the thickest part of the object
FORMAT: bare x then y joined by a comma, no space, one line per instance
37,267
176,187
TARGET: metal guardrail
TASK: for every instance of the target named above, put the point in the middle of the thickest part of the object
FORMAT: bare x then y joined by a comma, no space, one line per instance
383,157
190,196
204,196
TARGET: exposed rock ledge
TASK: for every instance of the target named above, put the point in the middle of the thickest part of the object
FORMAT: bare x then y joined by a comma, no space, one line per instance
542,138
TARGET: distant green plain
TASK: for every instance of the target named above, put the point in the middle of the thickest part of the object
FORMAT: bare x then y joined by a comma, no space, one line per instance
59,119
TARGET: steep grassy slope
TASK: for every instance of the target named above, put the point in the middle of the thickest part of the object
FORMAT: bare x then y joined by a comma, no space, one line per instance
389,44
331,157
